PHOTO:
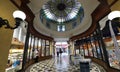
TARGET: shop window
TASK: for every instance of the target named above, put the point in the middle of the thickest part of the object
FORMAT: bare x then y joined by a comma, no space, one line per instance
15,56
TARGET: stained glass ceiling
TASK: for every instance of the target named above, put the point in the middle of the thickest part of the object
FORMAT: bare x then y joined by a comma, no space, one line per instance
61,12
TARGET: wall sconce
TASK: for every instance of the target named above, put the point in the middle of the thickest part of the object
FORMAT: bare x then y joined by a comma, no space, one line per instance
19,17
113,14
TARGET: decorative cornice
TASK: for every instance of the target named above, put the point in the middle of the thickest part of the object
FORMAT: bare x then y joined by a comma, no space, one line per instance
101,11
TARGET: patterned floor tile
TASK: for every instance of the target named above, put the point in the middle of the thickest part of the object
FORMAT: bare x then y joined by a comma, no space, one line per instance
59,64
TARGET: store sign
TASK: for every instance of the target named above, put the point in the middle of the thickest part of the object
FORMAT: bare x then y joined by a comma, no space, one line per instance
62,46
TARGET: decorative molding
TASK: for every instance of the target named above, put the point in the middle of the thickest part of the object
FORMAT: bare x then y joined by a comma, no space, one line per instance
101,11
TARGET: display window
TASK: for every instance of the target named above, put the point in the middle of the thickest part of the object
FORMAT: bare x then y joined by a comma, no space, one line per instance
113,60
15,58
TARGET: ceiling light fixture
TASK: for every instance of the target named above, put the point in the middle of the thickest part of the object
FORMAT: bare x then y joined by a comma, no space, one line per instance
19,17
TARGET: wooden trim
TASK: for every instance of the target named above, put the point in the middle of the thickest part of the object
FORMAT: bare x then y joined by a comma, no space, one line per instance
18,3
45,57
114,1
15,3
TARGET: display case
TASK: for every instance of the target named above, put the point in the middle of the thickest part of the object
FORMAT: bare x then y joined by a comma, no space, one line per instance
113,60
15,58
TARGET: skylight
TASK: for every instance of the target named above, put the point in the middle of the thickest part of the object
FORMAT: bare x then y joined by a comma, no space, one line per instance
62,13
61,10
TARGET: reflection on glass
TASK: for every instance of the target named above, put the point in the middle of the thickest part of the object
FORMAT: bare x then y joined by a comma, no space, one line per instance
113,61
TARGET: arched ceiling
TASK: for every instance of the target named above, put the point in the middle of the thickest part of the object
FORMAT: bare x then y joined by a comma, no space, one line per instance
88,5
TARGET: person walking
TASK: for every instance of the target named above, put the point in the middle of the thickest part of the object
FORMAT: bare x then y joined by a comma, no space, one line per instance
57,53
60,50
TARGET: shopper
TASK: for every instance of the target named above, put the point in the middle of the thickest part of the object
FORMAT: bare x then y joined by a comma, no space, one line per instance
60,50
57,53
36,59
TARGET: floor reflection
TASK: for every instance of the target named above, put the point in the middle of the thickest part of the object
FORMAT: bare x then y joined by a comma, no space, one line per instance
59,64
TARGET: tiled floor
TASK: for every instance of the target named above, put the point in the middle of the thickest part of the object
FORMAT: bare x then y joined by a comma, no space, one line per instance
60,64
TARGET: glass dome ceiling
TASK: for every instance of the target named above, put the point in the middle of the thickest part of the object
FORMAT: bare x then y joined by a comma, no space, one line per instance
61,13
